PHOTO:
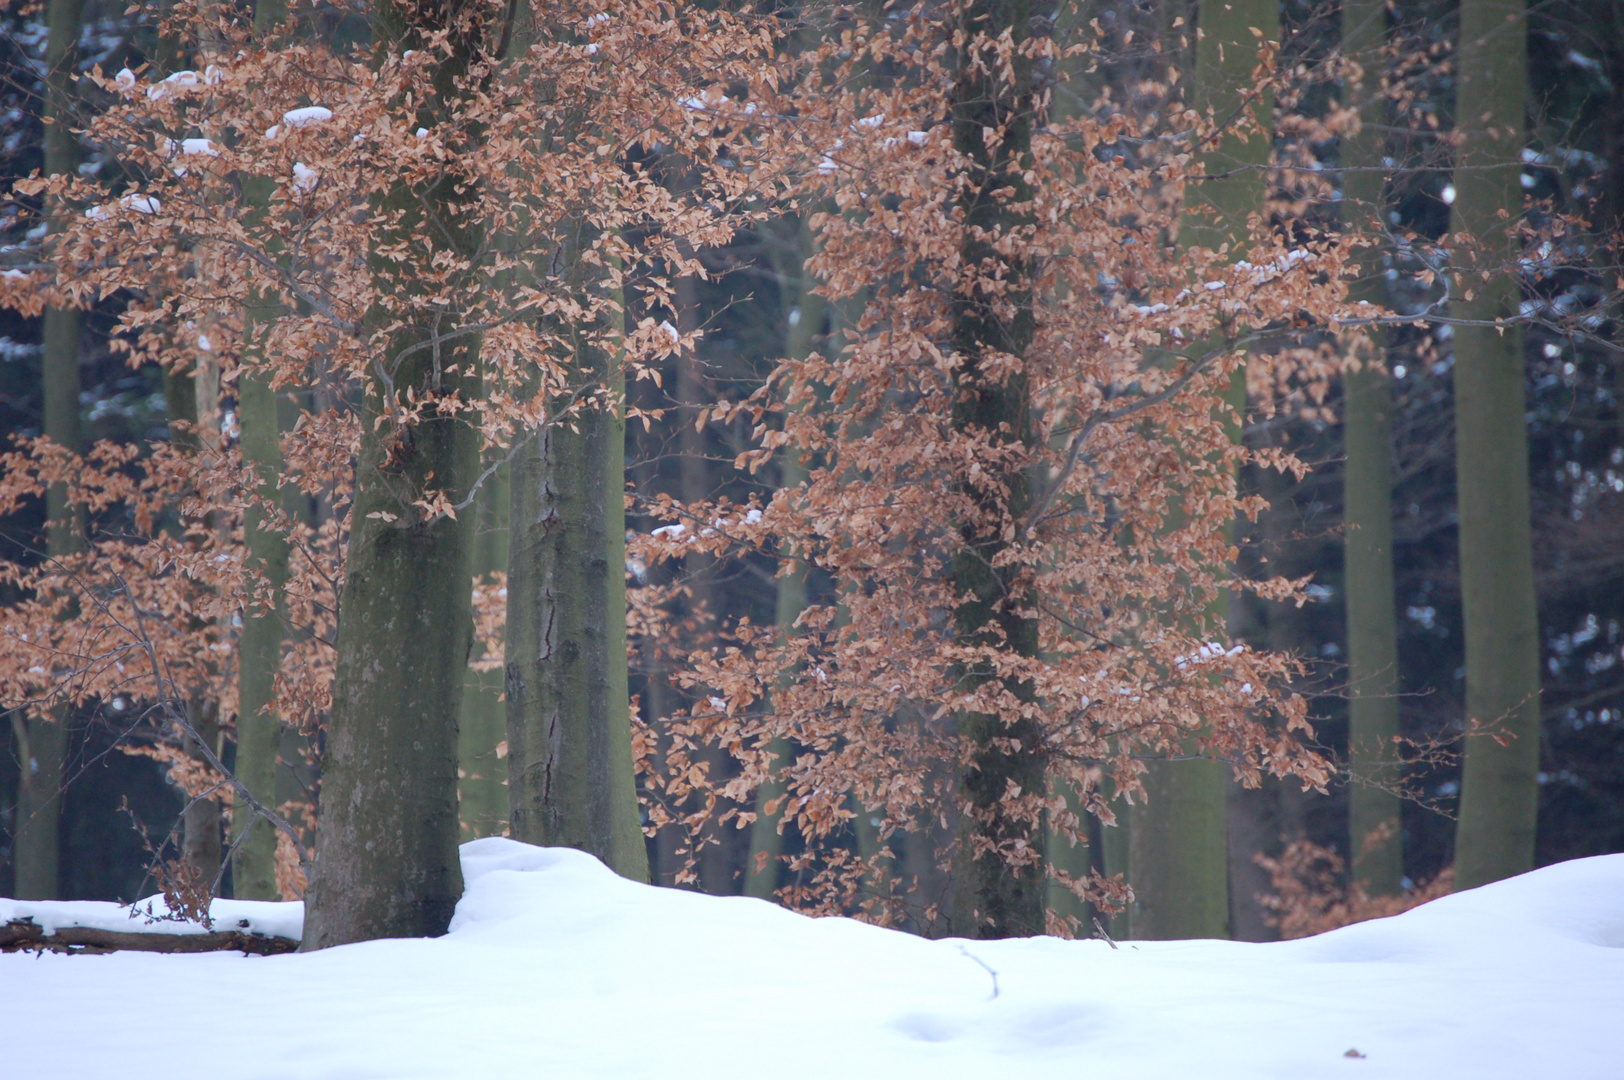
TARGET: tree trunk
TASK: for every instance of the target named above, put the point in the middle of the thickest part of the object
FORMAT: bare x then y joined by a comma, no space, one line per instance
1374,845
631,857
259,645
44,739
1178,844
386,862
1499,793
568,741
201,841
993,899
570,771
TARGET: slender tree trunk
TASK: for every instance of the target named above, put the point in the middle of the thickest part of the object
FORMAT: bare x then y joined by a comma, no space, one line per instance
44,739
259,645
201,840
1374,844
631,846
1499,792
1178,845
719,872
386,862
991,898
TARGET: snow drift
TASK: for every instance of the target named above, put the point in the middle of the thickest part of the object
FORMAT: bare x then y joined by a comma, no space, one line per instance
555,967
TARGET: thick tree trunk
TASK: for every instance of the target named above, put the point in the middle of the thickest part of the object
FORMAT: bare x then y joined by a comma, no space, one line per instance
386,862
1499,793
993,899
1178,847
570,772
44,739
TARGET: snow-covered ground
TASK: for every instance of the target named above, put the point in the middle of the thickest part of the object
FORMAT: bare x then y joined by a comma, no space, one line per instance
556,968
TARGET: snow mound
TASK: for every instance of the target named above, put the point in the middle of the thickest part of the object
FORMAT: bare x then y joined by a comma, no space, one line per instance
555,965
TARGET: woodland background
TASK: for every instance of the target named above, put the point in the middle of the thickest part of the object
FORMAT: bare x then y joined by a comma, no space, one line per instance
749,309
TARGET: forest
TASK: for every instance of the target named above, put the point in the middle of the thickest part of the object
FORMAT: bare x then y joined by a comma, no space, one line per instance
1122,471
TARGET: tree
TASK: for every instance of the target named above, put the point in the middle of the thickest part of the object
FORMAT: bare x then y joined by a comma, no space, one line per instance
1178,851
482,790
1372,622
1499,794
386,863
259,645
1019,515
569,730
993,107
806,317
43,740
476,348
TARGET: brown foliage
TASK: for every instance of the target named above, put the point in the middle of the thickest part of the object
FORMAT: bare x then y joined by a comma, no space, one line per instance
1312,894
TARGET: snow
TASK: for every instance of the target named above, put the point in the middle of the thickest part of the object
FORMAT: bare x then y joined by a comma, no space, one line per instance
151,916
310,114
554,964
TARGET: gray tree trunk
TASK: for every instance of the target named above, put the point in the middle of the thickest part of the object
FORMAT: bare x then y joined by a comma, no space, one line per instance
1499,791
570,781
386,862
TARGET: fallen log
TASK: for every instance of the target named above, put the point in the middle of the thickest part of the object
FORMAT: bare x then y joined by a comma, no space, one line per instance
25,935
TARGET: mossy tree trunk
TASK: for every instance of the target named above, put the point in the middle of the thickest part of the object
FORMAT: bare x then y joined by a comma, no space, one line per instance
386,862
259,645
44,739
1178,842
991,898
1499,788
1375,846
570,781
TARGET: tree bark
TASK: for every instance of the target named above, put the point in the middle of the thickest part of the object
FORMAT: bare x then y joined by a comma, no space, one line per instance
44,738
570,770
569,744
1375,846
993,899
482,790
1499,791
386,862
1178,843
259,645
201,841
